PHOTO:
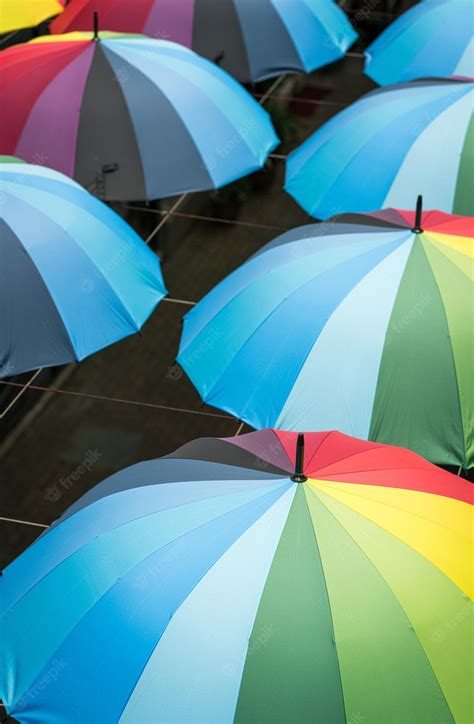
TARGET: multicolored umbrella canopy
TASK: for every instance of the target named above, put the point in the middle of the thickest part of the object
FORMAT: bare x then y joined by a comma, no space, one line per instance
211,586
251,40
423,132
434,38
74,277
129,117
17,14
358,324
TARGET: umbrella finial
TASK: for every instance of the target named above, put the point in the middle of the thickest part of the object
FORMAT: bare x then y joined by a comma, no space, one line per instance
96,26
419,210
299,476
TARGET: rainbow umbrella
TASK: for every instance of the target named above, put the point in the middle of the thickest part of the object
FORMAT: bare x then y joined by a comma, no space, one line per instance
387,148
363,324
266,578
129,117
252,40
17,14
74,277
435,38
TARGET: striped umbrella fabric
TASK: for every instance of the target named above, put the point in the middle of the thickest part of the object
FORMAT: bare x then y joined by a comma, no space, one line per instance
129,117
434,38
266,578
18,14
251,40
423,131
362,324
74,277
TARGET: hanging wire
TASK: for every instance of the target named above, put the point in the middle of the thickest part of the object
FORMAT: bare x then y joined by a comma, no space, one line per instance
167,215
25,387
200,217
118,400
239,429
179,301
298,99
23,522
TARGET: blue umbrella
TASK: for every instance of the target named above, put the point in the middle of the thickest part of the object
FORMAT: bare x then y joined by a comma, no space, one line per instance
131,117
435,38
74,277
361,324
271,577
389,147
251,39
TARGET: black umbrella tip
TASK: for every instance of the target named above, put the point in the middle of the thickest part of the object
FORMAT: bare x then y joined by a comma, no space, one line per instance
417,229
96,25
299,476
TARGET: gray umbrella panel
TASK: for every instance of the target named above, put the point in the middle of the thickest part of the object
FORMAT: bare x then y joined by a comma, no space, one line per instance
205,459
253,40
109,157
27,305
247,38
65,292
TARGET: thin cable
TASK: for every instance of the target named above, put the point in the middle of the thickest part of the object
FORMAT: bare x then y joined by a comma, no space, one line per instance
6,38
273,87
297,99
239,430
200,217
179,301
23,522
22,392
166,216
118,400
